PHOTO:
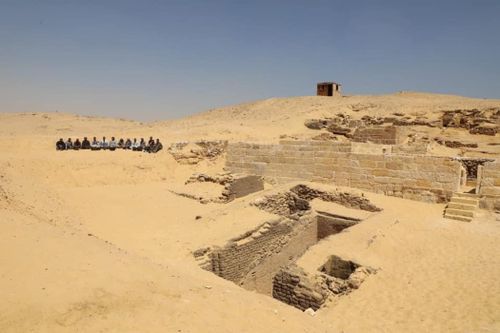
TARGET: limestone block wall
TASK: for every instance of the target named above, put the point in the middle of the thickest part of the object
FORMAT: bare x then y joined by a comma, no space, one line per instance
489,185
423,178
242,185
386,135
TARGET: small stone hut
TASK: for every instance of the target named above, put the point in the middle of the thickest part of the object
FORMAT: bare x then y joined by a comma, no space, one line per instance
328,89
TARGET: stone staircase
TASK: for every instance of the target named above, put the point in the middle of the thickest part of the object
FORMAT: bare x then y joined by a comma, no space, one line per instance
462,207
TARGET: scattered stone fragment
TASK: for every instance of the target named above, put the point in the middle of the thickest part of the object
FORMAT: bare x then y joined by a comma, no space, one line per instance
310,312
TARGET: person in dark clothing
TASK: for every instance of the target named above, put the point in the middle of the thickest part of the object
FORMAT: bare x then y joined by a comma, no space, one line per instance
77,145
69,144
150,146
157,146
142,144
128,144
60,145
121,144
85,143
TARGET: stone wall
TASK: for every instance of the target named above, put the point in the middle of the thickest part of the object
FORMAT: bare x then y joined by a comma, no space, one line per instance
424,178
489,185
242,185
386,135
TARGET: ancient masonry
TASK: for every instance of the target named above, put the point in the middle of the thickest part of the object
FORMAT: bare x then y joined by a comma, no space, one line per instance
416,177
263,259
488,185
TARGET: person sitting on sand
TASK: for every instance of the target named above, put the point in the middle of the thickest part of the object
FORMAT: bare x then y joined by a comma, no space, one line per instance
85,143
60,145
136,146
121,143
95,145
157,146
151,142
104,143
128,144
112,144
69,144
149,146
77,145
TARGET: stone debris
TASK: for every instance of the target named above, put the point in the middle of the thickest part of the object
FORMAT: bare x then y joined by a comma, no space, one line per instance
485,122
295,202
235,185
193,153
454,143
310,312
343,198
325,137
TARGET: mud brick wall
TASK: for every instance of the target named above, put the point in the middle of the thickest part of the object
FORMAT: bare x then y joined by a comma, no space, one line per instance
292,286
423,178
489,185
386,135
241,255
303,236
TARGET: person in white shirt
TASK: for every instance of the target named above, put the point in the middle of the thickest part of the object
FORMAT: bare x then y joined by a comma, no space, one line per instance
95,145
135,145
104,143
113,144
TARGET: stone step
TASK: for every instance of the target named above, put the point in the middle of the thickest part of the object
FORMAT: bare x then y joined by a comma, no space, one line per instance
460,212
465,195
458,218
465,201
462,206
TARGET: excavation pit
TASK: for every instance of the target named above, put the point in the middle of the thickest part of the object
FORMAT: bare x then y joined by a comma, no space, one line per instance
338,268
263,259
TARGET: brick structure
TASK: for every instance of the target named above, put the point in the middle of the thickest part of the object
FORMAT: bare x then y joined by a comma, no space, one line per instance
328,89
422,178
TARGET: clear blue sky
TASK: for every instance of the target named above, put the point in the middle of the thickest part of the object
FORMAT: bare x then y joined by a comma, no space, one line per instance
151,60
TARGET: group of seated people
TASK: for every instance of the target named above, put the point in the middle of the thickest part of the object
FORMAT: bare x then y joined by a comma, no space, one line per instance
151,146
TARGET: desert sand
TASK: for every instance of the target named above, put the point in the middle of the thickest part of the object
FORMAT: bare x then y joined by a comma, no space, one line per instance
95,241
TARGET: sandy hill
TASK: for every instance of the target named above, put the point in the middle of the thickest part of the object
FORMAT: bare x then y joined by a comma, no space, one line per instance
97,241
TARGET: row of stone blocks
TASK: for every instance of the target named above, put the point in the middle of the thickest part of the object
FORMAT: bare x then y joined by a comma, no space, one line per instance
435,177
489,186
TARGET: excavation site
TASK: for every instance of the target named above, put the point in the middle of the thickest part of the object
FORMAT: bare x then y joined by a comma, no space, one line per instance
263,259
303,214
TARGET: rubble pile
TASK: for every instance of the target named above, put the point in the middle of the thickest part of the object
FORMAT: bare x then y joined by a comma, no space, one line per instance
295,202
343,198
193,153
485,122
